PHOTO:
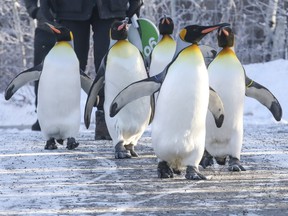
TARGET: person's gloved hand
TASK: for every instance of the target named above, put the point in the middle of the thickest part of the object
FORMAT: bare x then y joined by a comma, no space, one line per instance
134,8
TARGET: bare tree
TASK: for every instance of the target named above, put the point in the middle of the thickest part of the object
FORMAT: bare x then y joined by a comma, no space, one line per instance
260,26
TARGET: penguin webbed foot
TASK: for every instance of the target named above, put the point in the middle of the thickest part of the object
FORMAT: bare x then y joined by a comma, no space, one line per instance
130,148
176,171
207,160
221,160
234,165
60,141
192,173
50,144
164,170
71,143
121,152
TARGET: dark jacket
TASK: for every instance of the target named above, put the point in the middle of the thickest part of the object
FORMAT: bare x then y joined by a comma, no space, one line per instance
34,12
32,8
82,9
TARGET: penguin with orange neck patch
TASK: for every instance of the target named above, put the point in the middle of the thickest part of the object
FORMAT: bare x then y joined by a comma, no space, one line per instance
178,127
227,77
164,51
59,90
122,65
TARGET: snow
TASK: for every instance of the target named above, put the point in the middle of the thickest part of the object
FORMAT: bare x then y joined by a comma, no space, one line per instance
273,75
89,181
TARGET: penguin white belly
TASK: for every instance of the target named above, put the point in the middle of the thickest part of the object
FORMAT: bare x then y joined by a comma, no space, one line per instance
59,94
121,70
161,57
226,76
178,129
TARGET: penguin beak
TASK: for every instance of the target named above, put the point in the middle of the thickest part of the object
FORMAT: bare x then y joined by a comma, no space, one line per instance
54,29
122,26
226,33
208,29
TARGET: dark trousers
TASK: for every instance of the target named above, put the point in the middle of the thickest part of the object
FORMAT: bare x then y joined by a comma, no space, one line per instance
101,41
43,43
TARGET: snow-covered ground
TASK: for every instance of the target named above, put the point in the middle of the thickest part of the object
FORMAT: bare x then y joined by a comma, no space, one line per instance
89,181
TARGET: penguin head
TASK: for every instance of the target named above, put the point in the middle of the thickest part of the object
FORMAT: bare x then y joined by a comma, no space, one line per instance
62,33
119,30
225,37
166,25
194,33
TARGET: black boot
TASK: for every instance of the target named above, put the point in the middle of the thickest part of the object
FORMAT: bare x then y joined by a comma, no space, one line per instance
101,131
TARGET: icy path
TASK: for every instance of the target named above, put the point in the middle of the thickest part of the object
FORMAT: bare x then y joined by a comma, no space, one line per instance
89,181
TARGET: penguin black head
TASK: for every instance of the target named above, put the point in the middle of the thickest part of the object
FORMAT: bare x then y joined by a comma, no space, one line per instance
194,33
225,37
62,33
166,25
119,30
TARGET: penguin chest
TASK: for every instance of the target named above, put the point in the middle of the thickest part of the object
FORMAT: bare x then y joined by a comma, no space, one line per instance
227,77
125,66
182,104
59,92
162,55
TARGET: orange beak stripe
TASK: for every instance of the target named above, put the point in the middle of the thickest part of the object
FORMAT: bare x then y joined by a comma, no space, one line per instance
54,29
209,29
121,27
225,32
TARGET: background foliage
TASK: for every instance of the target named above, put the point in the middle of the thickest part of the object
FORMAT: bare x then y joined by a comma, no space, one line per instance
260,26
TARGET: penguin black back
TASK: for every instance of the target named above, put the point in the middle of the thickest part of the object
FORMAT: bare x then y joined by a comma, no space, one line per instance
119,30
225,37
166,25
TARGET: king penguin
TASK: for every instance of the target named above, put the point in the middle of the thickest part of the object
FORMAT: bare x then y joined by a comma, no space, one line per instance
164,50
58,109
178,127
228,78
122,65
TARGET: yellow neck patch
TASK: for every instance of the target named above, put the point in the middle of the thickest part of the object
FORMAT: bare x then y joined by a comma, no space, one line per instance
226,51
63,43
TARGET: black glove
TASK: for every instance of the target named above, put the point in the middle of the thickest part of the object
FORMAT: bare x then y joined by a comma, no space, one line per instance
134,8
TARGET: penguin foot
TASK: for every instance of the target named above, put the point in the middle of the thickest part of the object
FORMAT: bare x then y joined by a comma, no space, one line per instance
220,161
121,152
177,171
71,143
164,171
234,165
50,144
130,148
207,160
192,173
60,141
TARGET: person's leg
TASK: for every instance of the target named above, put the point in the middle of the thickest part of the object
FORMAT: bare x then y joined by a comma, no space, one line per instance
101,41
81,34
43,43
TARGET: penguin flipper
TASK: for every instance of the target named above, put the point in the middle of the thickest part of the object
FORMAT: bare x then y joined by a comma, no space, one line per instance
216,107
264,96
145,87
23,78
152,102
86,82
93,98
